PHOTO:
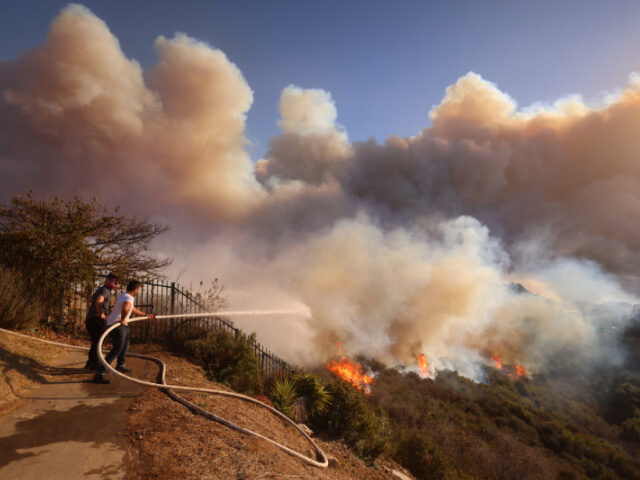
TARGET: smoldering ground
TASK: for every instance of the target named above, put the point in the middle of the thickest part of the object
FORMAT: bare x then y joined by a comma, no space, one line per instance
396,248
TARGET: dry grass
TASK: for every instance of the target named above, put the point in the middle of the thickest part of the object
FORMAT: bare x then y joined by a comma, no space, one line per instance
170,442
23,364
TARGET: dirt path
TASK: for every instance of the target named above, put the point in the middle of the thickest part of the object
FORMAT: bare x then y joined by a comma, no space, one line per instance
70,428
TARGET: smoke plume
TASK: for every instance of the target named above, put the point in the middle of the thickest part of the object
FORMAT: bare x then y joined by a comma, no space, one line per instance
409,246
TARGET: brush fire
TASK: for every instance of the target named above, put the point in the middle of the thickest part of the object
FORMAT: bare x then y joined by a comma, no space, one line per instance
423,365
351,372
516,371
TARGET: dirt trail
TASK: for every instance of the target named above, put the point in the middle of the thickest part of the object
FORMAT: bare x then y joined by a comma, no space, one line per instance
69,428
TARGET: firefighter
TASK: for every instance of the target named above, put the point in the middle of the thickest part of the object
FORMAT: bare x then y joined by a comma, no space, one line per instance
96,320
120,336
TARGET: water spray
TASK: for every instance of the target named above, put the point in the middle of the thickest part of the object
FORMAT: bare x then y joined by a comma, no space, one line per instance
228,313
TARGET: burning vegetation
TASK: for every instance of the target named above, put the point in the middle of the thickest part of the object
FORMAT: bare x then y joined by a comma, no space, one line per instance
423,365
351,372
512,371
514,425
354,373
497,362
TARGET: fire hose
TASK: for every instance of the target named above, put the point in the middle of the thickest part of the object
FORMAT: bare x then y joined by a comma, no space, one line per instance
170,389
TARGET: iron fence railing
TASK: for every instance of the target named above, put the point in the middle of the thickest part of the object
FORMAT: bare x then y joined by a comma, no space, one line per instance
162,297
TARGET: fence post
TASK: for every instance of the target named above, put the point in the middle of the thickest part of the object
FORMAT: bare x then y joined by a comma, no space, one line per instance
61,308
172,324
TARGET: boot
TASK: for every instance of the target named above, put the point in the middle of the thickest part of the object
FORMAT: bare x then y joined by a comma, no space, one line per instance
90,365
99,378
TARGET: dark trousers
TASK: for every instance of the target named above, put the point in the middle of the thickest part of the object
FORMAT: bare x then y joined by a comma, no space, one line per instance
95,327
120,341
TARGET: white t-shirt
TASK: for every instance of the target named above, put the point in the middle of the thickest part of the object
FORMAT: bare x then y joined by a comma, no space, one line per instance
116,313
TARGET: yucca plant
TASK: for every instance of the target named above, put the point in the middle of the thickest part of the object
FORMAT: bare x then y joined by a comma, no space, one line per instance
283,395
313,398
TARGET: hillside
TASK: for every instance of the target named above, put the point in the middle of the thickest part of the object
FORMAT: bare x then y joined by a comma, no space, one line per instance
170,442
529,428
165,440
569,424
572,421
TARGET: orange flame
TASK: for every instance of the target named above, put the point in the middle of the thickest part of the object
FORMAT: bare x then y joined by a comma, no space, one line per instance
423,364
521,371
518,370
351,372
339,344
497,362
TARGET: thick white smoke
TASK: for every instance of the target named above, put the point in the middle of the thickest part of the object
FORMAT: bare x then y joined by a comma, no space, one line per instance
398,248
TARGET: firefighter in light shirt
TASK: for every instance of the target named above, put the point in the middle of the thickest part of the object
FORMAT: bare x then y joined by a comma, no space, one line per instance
120,336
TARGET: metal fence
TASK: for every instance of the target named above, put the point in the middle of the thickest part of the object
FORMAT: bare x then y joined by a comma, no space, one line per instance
167,298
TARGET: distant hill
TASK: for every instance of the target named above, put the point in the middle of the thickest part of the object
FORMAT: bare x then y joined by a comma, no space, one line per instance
527,428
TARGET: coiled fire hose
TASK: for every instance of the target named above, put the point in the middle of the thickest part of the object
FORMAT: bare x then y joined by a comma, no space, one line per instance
170,389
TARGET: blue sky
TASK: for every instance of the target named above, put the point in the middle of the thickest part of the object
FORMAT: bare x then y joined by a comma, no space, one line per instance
385,63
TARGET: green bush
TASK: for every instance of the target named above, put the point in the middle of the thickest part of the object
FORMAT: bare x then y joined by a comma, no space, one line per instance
299,396
415,452
283,395
554,436
354,418
16,310
313,398
229,359
631,428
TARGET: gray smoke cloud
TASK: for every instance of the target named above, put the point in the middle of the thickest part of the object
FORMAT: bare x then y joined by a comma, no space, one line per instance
397,248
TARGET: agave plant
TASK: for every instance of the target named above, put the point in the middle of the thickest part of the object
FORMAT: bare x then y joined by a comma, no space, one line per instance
312,397
283,395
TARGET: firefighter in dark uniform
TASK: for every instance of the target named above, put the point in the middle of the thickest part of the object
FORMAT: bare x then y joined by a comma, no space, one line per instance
97,315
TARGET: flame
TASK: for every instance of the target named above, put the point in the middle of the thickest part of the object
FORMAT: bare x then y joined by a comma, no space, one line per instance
497,362
521,371
352,372
516,372
423,364
339,344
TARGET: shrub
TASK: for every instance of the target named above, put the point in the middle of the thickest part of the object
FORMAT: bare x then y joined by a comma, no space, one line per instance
313,398
422,459
631,428
354,418
619,397
299,396
16,310
283,395
554,436
229,359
